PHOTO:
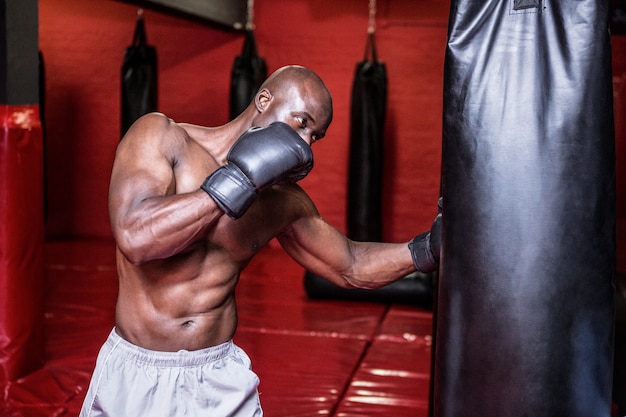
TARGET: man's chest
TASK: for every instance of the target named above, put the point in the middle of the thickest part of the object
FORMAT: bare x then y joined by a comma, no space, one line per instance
263,221
192,166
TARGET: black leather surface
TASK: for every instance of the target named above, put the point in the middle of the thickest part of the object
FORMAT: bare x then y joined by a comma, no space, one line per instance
139,78
248,72
526,295
367,121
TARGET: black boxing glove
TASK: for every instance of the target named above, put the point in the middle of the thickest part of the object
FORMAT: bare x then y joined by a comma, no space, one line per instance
426,247
260,158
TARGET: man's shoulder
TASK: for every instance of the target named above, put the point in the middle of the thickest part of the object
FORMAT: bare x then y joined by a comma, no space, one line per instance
151,121
155,131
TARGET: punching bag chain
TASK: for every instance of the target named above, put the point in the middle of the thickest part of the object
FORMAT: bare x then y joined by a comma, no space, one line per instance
371,27
250,20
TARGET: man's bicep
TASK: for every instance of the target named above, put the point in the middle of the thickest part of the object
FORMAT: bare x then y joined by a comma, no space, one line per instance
144,158
139,172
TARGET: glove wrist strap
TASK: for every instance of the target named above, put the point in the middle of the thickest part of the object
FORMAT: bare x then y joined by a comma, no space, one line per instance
423,259
231,189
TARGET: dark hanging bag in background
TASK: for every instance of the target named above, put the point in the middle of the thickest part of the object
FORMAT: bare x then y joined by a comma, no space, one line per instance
367,125
365,188
248,73
139,78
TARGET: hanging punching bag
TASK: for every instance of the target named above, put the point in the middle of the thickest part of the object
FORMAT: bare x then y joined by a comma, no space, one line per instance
21,194
21,243
139,77
367,123
248,73
42,118
525,303
365,186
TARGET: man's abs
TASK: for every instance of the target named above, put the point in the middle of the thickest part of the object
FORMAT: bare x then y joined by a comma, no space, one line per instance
168,307
187,301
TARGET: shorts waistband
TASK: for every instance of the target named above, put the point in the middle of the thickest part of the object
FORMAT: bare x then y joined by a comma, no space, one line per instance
158,358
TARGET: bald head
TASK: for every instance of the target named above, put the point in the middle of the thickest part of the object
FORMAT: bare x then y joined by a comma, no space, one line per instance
289,77
294,95
292,74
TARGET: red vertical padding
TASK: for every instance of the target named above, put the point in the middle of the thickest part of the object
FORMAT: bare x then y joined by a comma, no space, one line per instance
21,241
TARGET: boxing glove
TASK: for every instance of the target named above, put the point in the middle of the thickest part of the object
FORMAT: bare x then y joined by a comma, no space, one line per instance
260,158
426,247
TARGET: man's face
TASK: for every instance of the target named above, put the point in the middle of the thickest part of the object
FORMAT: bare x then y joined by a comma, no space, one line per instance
304,109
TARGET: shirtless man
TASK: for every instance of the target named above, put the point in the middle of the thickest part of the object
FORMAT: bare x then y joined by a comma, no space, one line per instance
189,207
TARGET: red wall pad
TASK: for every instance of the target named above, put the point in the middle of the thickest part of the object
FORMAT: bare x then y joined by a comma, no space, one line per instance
21,241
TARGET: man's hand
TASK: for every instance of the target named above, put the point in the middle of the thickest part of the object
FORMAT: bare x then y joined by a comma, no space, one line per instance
426,247
260,158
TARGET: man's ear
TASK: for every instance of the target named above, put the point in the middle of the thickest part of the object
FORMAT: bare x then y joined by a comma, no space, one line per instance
262,100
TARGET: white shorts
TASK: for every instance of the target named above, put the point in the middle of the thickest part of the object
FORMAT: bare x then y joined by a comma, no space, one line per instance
130,381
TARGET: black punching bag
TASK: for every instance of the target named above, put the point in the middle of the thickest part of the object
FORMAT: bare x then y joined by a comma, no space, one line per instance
367,121
365,183
248,73
139,77
526,294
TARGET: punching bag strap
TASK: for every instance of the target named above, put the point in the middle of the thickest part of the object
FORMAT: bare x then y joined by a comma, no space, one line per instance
139,38
370,46
370,49
249,50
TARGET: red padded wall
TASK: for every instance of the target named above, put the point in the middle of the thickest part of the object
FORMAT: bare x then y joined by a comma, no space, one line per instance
21,241
83,62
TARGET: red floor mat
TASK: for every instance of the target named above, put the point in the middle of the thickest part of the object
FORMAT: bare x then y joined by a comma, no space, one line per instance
394,376
300,375
313,357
